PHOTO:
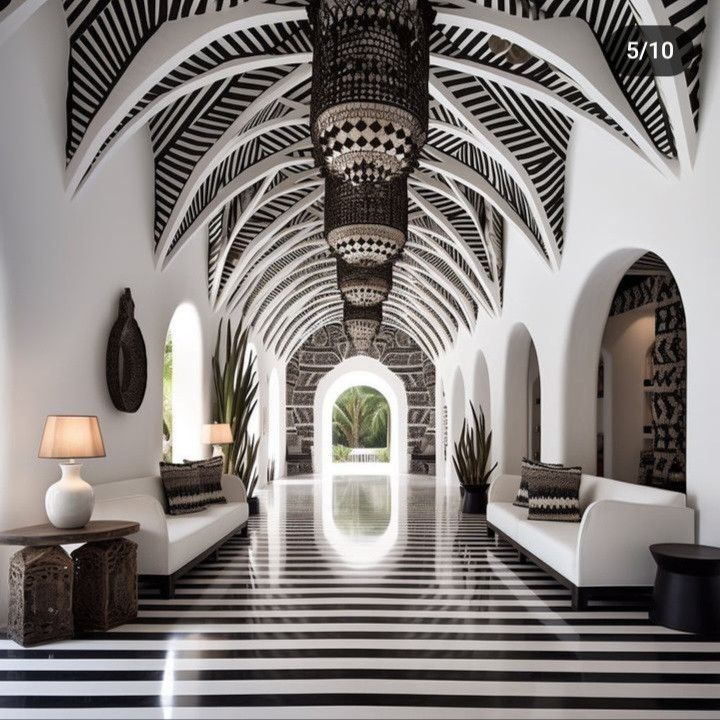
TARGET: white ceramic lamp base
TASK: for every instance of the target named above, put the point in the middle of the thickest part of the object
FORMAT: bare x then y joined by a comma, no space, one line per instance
69,502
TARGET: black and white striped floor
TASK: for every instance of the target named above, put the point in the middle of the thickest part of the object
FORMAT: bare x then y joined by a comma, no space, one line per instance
367,598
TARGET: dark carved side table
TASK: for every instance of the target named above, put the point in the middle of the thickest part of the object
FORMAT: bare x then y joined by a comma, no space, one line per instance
51,593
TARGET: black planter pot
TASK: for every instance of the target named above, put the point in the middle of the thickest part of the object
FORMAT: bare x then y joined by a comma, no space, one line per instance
253,505
474,502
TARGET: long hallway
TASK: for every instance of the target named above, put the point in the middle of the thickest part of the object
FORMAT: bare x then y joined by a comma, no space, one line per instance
367,597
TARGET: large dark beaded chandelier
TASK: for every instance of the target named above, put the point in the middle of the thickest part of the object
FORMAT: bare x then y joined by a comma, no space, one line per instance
369,106
366,224
368,124
362,325
364,285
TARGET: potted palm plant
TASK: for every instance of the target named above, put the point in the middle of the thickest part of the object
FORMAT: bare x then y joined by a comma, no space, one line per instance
471,459
235,385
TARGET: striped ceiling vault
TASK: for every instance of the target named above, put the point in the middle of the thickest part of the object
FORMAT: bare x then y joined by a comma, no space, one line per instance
224,87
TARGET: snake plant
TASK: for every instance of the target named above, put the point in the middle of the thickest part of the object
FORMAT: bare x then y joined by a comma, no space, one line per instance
235,383
472,453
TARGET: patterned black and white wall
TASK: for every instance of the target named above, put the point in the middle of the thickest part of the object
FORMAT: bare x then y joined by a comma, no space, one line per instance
328,347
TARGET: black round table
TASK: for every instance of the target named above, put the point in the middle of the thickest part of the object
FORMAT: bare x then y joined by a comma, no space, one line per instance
687,588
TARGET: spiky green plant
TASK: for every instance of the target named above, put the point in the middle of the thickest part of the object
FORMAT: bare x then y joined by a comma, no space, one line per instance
235,383
340,453
472,453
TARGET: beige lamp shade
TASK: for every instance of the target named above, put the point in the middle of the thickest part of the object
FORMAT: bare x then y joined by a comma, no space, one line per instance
71,437
217,434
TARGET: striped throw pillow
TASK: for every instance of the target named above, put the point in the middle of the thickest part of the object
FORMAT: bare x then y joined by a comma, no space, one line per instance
210,479
554,493
182,488
521,500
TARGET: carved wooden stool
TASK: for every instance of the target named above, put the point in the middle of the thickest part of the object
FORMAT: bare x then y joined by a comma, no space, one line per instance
106,586
41,590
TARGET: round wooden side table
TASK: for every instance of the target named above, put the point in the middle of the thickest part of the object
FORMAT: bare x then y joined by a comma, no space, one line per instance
53,594
687,588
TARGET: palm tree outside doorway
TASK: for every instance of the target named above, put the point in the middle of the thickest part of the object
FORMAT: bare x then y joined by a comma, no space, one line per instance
361,421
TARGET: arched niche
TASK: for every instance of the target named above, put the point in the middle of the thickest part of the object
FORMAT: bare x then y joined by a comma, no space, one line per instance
360,370
578,427
521,420
457,411
183,379
644,343
481,387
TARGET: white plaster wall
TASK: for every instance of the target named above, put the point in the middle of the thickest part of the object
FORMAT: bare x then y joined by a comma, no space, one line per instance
626,339
66,264
617,208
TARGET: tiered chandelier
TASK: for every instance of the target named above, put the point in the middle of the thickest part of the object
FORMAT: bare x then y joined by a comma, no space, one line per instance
362,324
366,224
364,286
368,122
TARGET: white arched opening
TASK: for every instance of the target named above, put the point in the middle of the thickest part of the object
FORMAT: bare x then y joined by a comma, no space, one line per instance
273,423
360,370
520,381
183,395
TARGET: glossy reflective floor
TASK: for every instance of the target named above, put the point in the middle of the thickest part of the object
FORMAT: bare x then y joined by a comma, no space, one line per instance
374,598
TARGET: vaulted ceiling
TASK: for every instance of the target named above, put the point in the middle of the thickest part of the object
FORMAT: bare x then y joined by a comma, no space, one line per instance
223,87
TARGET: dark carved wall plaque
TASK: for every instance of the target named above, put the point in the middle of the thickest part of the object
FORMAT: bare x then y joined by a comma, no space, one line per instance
126,360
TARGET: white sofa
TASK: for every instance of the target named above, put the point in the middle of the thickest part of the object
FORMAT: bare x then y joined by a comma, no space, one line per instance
170,545
607,552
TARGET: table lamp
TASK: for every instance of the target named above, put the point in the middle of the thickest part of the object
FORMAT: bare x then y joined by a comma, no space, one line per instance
217,434
69,502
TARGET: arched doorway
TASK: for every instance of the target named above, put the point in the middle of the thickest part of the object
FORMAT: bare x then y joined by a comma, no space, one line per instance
644,351
367,372
182,386
599,300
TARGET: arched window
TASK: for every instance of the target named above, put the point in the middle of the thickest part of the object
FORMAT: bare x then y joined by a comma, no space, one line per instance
182,386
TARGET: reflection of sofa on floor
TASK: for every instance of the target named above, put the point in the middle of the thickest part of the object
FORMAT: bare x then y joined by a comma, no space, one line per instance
607,551
171,545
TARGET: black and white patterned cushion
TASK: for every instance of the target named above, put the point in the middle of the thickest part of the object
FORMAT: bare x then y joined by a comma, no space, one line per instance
521,500
181,483
554,493
210,479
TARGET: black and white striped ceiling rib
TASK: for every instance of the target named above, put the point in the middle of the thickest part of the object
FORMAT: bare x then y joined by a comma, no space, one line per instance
224,87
